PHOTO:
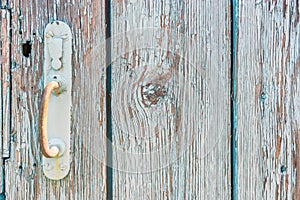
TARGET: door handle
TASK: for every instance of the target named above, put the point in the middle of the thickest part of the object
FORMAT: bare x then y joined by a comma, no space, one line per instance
55,106
58,148
43,137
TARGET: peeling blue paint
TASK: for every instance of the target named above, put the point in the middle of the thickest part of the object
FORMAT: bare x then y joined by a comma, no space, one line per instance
2,196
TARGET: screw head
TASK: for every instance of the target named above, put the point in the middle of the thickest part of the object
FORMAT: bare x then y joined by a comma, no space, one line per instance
48,166
63,166
49,34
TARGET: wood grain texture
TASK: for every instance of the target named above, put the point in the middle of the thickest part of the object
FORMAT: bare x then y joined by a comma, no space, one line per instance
268,100
24,177
5,70
171,99
4,88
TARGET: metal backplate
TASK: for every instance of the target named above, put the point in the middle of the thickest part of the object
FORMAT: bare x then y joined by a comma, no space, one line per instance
57,66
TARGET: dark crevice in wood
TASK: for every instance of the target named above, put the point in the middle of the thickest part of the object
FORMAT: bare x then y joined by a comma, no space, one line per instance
26,48
2,195
20,21
233,107
109,163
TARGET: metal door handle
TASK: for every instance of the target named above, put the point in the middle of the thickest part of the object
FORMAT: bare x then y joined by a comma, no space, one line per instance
53,151
55,108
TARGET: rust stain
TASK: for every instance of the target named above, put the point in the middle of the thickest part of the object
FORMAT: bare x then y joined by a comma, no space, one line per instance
156,131
284,7
171,180
134,56
280,83
130,111
278,145
277,77
283,42
101,104
163,21
296,69
286,182
257,94
296,165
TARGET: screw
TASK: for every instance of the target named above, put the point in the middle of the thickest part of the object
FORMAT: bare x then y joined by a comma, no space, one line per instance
49,34
48,167
63,166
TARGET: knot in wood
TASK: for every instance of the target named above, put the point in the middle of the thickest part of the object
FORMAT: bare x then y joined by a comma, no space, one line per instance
153,94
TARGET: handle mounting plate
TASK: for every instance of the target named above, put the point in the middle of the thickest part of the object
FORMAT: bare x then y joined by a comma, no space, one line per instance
57,66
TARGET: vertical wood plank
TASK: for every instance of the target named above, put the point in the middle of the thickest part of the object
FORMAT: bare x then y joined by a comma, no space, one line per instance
269,99
5,77
24,176
171,99
4,89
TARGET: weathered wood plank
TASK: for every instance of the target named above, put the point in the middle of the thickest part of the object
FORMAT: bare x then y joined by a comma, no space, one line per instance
4,89
24,171
5,77
171,99
269,99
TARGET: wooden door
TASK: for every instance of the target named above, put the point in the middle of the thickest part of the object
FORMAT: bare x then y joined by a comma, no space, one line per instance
24,178
171,99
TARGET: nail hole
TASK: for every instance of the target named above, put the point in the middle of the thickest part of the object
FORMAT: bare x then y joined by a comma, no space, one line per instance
283,169
57,23
54,77
26,48
20,167
263,95
34,165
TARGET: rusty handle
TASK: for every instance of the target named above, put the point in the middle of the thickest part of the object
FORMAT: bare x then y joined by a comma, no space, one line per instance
47,151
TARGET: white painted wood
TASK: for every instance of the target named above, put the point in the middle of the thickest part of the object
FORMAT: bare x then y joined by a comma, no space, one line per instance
171,99
267,88
268,97
24,174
